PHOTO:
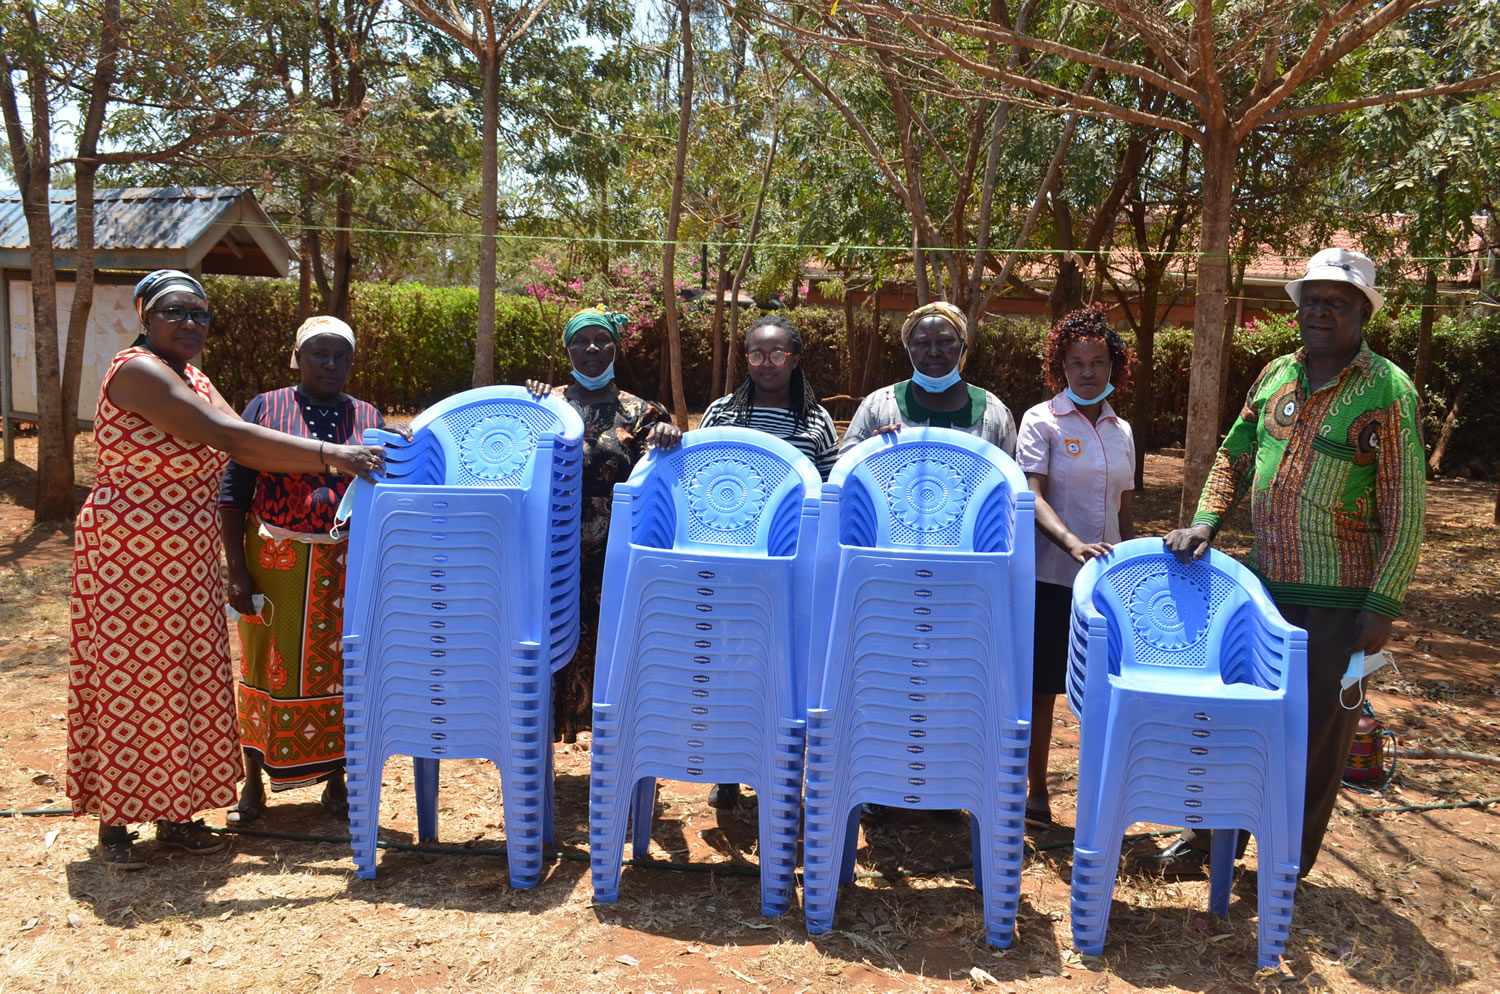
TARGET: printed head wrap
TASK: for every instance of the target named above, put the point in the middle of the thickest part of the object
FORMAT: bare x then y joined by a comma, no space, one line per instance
154,286
321,324
946,311
938,308
596,317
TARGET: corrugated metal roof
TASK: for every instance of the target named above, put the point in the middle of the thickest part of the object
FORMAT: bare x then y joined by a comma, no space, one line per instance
146,222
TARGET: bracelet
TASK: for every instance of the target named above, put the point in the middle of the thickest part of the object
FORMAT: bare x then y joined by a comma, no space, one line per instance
328,467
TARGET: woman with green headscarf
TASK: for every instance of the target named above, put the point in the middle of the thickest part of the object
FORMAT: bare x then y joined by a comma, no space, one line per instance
617,428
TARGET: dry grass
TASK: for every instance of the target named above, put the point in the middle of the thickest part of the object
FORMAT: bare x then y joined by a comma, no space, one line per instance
1400,902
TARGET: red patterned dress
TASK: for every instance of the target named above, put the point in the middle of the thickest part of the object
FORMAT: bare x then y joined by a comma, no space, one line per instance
151,730
291,689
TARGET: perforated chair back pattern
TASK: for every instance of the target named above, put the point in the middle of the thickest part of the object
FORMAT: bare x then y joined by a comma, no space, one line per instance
1191,694
920,690
461,598
703,631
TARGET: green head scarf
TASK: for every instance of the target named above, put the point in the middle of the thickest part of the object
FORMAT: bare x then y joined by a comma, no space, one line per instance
596,317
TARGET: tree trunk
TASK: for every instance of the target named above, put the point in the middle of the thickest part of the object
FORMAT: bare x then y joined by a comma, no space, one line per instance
31,159
716,363
739,273
849,340
1143,418
872,349
343,255
1423,371
669,254
1204,394
55,425
484,335
1067,292
1435,463
919,266
85,171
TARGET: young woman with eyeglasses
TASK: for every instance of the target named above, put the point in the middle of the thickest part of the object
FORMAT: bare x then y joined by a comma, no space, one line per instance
775,398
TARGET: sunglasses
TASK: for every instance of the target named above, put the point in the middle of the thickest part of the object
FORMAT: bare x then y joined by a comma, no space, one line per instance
776,358
177,315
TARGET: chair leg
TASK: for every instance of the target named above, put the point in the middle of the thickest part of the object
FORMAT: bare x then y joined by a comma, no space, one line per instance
609,805
1277,865
364,810
1094,871
1221,869
780,810
849,847
642,816
425,777
825,824
999,866
823,846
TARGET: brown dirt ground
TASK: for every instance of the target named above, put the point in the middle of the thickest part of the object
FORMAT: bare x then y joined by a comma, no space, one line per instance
1399,901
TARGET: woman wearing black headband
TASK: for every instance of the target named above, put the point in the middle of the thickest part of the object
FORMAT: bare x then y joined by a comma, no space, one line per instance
151,717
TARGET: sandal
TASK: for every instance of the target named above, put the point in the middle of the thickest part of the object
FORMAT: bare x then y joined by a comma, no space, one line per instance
338,807
241,815
1040,818
189,836
117,849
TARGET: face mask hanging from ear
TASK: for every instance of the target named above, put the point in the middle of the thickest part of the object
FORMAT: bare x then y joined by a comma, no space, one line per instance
1109,388
935,384
595,382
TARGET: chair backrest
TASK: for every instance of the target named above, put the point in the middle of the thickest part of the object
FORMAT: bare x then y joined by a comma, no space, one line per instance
720,490
489,435
1166,617
929,488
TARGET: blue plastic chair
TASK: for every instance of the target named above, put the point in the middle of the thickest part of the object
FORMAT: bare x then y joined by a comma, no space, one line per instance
920,694
703,630
1191,693
461,599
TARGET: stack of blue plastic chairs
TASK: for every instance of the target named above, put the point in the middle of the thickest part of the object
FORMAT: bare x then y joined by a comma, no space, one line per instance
920,695
1191,694
703,631
461,600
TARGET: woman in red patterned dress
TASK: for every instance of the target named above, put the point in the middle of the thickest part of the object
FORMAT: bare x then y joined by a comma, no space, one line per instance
151,720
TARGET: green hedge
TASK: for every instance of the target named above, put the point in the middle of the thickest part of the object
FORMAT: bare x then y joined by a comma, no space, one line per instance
416,346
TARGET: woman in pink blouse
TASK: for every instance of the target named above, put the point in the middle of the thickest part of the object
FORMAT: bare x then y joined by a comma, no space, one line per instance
1079,458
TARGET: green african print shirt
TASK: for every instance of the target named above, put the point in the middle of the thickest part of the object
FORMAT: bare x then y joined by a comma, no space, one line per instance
1337,482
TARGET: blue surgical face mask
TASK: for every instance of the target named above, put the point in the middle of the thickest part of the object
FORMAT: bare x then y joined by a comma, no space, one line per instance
935,384
595,382
1109,388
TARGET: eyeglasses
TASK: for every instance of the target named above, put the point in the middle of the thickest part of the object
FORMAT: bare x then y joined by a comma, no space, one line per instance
177,315
776,358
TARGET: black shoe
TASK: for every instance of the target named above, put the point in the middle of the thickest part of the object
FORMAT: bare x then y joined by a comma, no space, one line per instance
189,836
724,795
117,849
1179,861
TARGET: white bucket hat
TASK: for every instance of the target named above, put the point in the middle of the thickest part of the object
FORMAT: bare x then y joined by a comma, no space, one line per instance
1340,266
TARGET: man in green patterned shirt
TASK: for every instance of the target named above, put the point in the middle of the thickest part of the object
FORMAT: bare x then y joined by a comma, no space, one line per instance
1329,449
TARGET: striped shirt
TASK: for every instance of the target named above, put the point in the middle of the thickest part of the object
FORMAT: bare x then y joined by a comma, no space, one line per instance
1337,483
818,440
